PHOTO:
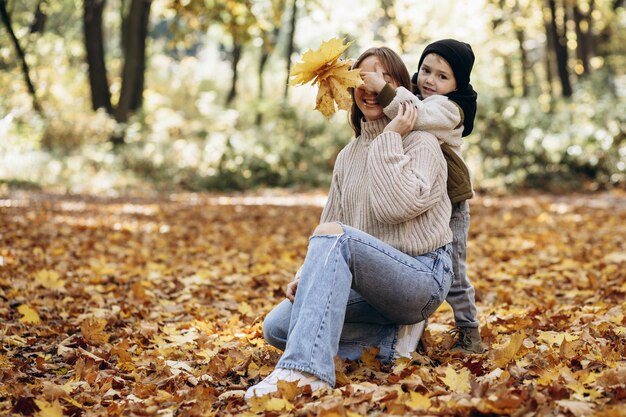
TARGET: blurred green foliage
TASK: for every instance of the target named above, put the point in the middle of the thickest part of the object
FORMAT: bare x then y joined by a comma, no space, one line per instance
554,144
185,137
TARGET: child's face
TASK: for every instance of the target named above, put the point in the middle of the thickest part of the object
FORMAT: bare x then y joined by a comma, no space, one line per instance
435,76
365,99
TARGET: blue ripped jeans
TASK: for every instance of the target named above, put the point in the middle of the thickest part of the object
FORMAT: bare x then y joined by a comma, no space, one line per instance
354,291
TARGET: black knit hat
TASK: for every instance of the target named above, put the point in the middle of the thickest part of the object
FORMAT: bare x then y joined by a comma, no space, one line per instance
461,59
458,54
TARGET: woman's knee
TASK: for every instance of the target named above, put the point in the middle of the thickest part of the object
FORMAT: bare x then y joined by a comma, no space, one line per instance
328,229
276,326
274,334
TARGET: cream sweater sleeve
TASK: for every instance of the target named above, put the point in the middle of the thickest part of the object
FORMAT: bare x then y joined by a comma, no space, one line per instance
402,175
435,114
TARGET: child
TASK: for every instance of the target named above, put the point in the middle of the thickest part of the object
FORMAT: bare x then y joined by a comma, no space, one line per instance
447,109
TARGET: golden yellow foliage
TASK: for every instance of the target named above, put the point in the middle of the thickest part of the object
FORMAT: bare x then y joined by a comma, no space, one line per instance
29,314
333,76
150,323
506,353
457,381
49,279
47,409
418,401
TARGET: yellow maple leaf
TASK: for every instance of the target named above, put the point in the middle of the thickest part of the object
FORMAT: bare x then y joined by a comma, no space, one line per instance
29,314
314,63
555,338
49,279
549,375
457,381
332,75
267,403
48,409
288,390
505,354
324,102
244,308
418,401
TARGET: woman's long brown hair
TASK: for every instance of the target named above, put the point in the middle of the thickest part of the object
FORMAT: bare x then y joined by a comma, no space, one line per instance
393,66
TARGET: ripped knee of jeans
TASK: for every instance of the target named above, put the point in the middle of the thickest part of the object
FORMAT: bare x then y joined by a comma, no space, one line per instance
328,229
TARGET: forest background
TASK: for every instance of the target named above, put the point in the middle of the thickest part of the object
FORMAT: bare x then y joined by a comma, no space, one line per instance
192,94
134,276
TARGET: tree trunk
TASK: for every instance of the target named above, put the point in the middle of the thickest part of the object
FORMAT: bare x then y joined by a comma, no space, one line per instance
265,54
94,48
290,43
235,57
584,34
39,22
269,43
137,99
519,33
560,45
134,60
508,74
6,19
549,62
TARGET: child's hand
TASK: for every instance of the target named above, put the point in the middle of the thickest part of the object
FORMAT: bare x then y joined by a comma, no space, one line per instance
405,119
373,81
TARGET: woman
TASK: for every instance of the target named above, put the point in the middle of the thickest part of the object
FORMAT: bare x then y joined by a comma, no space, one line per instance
380,257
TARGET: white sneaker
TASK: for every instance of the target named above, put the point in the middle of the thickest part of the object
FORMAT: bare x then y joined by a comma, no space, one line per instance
408,337
270,383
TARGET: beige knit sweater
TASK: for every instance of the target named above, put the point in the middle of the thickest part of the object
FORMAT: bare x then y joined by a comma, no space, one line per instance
392,188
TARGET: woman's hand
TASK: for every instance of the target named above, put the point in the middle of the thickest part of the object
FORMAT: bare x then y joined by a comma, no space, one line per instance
292,287
404,121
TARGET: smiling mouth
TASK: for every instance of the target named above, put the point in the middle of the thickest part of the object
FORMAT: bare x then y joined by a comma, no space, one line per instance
369,102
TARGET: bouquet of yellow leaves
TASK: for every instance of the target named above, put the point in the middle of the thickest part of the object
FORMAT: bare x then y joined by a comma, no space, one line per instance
332,74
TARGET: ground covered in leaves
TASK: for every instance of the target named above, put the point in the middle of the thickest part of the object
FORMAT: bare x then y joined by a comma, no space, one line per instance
146,307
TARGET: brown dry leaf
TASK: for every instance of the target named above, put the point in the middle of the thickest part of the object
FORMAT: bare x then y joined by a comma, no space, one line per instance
335,410
578,408
613,377
92,329
52,391
122,350
181,286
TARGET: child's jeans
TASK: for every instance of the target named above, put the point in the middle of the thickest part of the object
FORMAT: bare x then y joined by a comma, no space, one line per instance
461,295
353,292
